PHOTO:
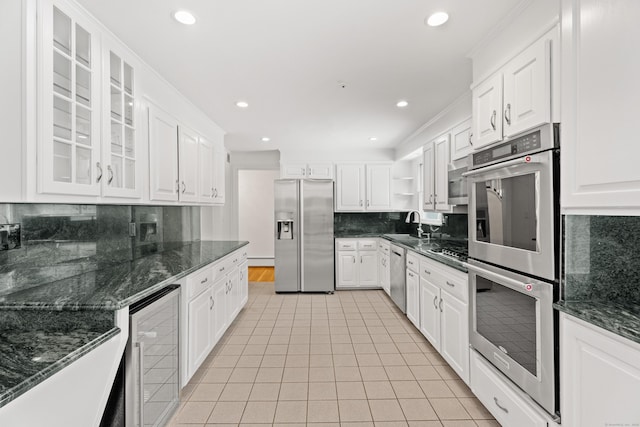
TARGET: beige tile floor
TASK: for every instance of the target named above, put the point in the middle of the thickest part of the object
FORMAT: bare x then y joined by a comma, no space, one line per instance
348,359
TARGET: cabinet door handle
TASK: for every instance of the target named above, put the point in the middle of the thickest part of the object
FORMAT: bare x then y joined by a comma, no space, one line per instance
507,114
360,260
470,139
435,302
211,303
308,171
493,120
360,202
221,269
427,272
110,174
177,185
440,304
99,177
215,193
430,198
410,274
212,194
368,202
202,282
495,399
184,187
451,284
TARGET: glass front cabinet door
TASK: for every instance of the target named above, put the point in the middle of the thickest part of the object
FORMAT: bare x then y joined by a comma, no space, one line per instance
68,103
119,148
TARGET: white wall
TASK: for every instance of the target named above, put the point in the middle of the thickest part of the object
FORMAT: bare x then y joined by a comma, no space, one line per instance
255,213
456,113
336,156
526,24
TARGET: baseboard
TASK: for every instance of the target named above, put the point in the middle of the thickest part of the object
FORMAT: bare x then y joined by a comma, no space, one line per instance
261,262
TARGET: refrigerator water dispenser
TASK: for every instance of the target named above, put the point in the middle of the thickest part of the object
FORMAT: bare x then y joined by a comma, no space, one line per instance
284,229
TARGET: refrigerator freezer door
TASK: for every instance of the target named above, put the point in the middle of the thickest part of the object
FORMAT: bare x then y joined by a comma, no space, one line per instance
317,245
287,236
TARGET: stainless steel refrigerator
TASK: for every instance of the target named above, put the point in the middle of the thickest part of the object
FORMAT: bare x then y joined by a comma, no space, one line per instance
304,248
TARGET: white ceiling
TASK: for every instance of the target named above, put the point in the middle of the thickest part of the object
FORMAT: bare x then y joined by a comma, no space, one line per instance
287,57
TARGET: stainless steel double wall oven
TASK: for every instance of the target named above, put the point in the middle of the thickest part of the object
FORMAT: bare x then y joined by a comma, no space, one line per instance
513,262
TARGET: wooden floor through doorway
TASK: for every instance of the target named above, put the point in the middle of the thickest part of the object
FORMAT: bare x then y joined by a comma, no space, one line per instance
261,274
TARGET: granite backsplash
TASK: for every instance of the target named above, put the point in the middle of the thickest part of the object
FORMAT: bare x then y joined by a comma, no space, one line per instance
57,241
602,259
455,225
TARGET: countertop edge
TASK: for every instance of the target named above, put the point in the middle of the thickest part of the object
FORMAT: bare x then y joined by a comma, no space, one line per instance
45,373
598,314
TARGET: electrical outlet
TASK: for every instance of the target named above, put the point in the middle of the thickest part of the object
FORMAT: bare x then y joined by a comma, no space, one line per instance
10,237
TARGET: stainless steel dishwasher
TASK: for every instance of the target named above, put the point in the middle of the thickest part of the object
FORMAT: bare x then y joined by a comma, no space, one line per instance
398,278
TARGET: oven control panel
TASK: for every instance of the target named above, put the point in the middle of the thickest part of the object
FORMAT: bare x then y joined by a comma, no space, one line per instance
524,144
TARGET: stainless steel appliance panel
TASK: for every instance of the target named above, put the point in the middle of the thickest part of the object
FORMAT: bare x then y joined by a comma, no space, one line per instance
457,183
512,326
512,214
398,277
152,360
317,244
287,235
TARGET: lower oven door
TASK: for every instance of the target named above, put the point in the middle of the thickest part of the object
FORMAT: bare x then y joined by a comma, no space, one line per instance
512,326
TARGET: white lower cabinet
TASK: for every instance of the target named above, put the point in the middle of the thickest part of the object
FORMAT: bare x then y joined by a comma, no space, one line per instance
384,270
356,263
212,298
444,313
600,376
510,406
412,281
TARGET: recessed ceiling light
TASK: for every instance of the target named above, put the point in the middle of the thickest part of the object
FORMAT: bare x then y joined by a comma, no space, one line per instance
265,139
373,138
184,17
402,104
437,19
242,104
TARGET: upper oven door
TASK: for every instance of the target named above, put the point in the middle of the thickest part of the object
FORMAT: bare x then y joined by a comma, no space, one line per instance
511,324
511,214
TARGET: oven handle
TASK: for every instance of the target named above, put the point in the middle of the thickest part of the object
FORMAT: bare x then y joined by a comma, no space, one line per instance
516,285
519,161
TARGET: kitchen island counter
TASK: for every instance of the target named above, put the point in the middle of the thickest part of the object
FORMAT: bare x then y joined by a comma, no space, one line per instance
45,328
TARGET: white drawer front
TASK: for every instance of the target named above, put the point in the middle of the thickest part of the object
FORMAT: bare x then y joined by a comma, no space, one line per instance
500,399
220,268
347,245
453,281
199,281
367,245
413,262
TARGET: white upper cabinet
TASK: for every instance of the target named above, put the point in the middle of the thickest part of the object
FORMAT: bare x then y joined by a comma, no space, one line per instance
206,165
514,99
487,111
121,148
441,196
188,149
219,164
307,170
428,185
435,179
378,187
527,89
350,187
361,187
600,173
461,143
68,94
163,156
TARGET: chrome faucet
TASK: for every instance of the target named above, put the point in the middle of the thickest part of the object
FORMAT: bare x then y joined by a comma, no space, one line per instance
408,220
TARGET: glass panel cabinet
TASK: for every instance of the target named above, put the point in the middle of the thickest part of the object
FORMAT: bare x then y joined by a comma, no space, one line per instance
119,153
87,96
69,157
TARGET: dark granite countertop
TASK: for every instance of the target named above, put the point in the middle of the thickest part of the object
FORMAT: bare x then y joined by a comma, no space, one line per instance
122,284
418,246
619,319
36,344
45,328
